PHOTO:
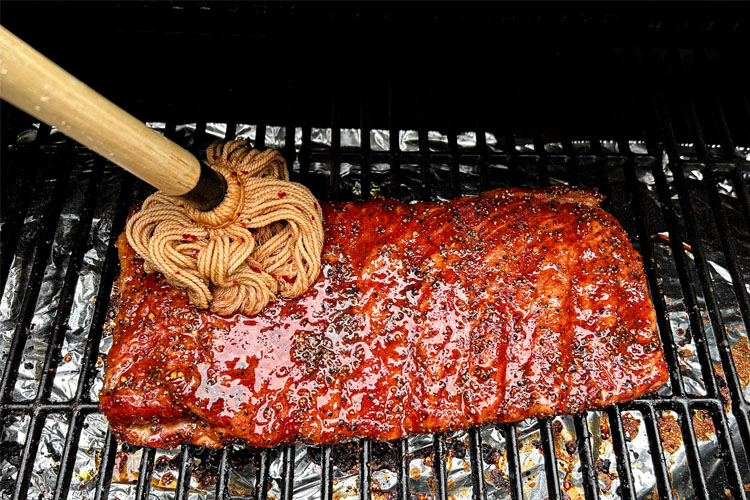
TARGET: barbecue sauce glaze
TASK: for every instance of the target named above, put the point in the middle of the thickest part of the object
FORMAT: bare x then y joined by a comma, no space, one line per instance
426,318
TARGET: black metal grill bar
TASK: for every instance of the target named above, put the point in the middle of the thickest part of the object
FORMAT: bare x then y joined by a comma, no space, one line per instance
260,136
145,471
355,155
691,447
484,166
222,475
351,155
395,169
515,482
424,166
288,151
570,163
491,156
365,469
567,147
365,146
588,468
304,153
455,174
541,163
743,193
393,119
262,478
438,466
326,473
602,177
510,149
231,132
403,473
675,403
106,464
661,469
170,130
550,459
287,484
55,407
624,470
479,491
199,138
335,178
185,471
68,458
88,366
694,462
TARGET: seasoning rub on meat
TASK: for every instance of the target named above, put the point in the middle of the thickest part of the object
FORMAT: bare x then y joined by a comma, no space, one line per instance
426,317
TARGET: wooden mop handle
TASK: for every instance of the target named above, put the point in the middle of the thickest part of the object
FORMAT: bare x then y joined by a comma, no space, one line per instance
33,83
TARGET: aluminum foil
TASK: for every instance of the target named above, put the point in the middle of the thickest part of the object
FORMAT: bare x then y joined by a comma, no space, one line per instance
409,185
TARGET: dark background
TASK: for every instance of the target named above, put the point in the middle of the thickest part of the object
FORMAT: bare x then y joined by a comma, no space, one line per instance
556,70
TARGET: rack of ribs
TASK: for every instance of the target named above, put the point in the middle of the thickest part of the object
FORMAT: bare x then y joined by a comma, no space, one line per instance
426,317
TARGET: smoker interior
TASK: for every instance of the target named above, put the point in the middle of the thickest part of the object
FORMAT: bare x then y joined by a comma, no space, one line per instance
648,106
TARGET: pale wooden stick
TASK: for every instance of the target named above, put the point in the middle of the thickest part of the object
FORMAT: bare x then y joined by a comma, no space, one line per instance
33,83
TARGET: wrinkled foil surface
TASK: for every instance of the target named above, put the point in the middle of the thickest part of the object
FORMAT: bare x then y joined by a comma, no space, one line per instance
408,186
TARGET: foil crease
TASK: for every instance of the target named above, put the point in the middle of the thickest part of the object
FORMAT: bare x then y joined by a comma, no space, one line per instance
410,180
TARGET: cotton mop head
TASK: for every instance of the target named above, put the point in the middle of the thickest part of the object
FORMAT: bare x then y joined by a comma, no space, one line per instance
265,239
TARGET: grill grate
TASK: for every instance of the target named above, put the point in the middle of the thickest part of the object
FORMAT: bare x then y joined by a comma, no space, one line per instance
685,181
